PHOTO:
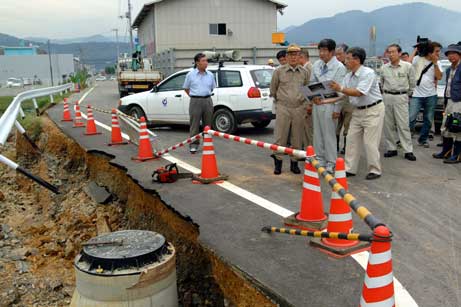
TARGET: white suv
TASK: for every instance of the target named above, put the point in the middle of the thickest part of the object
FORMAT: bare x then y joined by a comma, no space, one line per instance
241,96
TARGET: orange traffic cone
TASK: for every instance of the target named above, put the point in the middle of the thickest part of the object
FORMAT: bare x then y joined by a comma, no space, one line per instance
66,117
78,122
116,133
90,124
144,148
311,216
210,173
339,220
378,287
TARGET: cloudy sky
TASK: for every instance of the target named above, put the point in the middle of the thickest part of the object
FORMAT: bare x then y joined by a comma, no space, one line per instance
77,18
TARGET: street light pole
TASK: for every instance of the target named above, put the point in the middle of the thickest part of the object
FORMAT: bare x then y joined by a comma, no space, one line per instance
129,25
51,66
118,49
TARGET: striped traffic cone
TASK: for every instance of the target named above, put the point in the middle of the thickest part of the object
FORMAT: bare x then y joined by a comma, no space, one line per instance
210,173
78,122
311,215
339,220
90,124
378,287
66,116
145,148
116,133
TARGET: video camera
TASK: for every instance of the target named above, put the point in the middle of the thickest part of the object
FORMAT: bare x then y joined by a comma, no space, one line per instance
423,45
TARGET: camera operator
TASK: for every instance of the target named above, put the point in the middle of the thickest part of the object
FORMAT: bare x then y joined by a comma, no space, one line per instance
451,151
427,71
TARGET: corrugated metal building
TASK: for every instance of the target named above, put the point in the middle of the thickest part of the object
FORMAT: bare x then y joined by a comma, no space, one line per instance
206,24
28,66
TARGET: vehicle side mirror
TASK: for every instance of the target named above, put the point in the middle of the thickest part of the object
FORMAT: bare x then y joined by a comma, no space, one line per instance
154,89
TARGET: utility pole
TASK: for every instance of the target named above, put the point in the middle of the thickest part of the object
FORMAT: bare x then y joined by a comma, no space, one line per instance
116,39
128,16
51,66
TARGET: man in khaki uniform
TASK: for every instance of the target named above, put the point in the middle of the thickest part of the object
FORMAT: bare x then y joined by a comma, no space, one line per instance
344,119
285,88
308,138
397,81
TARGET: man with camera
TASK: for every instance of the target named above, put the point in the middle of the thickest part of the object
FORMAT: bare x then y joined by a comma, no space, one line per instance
397,83
451,127
428,72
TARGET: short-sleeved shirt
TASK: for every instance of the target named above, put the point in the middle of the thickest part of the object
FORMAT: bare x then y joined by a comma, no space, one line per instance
199,83
399,78
333,70
427,87
286,85
366,82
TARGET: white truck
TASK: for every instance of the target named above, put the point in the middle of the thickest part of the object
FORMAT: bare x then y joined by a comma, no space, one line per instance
136,80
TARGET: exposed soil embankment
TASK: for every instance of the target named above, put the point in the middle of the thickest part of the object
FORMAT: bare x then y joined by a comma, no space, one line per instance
53,227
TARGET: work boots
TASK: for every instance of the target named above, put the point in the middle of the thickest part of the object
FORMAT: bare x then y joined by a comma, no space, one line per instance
446,149
277,165
456,156
294,167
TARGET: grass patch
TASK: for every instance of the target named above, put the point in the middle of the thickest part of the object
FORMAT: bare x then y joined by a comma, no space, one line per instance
33,126
28,105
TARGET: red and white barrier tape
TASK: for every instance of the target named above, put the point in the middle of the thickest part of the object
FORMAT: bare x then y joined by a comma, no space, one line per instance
289,151
179,145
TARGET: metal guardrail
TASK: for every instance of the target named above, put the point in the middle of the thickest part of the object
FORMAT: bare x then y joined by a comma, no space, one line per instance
9,119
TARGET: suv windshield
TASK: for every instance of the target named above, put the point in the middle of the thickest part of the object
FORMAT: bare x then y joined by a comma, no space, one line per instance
262,77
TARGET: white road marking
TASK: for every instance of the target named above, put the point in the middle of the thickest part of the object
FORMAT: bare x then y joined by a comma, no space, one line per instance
402,296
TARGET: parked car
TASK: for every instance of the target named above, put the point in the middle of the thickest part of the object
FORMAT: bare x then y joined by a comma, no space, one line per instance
439,108
113,78
14,82
27,81
100,78
241,96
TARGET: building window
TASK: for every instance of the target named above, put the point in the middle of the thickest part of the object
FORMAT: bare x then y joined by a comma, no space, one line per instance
218,29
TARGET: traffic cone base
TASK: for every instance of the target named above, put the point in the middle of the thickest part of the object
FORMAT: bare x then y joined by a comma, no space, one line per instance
294,222
339,250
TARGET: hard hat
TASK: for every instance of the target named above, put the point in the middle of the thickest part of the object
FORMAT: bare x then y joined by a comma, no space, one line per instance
293,48
270,61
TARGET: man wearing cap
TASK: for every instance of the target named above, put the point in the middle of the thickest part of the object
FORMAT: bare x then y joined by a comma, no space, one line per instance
362,86
325,115
397,82
285,89
451,151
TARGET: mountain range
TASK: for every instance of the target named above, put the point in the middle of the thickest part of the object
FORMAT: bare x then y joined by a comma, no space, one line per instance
96,50
394,24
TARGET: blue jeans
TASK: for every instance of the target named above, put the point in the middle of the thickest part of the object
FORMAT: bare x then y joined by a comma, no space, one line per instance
428,105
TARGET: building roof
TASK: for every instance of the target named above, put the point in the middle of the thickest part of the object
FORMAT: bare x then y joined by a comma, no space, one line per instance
148,6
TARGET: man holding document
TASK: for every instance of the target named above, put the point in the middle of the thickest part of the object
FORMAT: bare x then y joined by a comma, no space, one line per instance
326,111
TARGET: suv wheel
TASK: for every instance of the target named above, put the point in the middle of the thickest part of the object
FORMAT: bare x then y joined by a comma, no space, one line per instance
261,124
136,112
224,121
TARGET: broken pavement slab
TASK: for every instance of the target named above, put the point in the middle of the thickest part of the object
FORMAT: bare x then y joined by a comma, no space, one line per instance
97,193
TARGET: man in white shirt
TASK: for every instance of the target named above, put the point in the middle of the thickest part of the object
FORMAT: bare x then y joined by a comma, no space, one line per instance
428,71
361,84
